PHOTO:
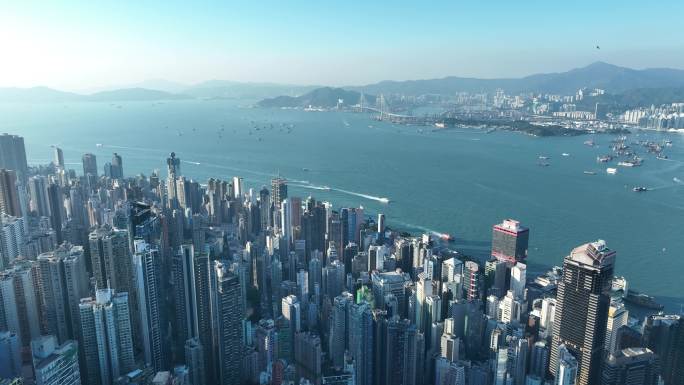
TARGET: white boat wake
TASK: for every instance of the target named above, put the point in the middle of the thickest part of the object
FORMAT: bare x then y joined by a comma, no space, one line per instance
371,197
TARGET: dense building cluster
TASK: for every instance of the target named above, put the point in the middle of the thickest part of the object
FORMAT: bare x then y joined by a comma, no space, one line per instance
113,279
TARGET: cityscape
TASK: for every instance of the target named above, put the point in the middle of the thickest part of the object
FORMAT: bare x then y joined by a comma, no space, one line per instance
355,193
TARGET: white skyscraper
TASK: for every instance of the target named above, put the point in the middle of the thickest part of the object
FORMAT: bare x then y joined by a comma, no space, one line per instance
617,316
518,280
567,367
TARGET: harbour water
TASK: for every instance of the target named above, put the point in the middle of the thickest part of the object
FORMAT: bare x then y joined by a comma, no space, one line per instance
458,181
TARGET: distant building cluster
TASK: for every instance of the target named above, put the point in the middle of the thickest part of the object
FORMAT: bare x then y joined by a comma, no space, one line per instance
658,118
113,279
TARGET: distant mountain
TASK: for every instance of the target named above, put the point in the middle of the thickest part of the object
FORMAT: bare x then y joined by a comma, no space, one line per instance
132,94
36,94
227,89
325,97
49,95
612,78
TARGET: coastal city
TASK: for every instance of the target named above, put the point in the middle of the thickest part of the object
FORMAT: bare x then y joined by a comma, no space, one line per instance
110,278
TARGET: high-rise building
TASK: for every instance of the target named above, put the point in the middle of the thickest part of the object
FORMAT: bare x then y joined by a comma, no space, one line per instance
631,366
518,280
148,277
13,155
56,204
404,347
582,309
339,328
228,318
194,359
473,280
89,164
509,241
55,364
617,317
361,342
63,282
38,195
13,238
116,170
111,259
308,356
106,337
59,158
664,336
292,314
10,355
390,283
20,302
566,367
9,193
278,191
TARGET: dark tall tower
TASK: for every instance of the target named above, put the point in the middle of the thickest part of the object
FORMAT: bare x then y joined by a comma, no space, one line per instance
278,191
582,309
509,241
13,155
228,319
116,167
56,203
664,335
89,164
9,193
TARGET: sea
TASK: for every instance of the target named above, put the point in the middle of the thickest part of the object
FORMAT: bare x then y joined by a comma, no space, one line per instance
456,181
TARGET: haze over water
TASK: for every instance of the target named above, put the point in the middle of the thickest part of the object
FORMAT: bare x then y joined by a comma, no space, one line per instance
460,181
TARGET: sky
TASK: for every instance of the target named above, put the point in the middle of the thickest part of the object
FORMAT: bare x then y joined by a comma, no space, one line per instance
81,45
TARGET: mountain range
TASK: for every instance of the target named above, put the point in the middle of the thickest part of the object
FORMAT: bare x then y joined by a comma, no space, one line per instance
614,79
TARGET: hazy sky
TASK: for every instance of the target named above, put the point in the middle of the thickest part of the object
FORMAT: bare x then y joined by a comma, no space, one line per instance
81,45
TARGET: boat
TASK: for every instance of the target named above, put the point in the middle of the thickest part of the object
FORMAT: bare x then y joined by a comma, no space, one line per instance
542,157
565,154
676,180
305,169
544,164
604,158
443,236
590,172
642,300
611,171
98,145
589,143
639,189
384,200
662,157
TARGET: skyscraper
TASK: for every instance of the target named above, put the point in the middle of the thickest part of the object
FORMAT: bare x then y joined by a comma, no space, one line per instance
565,367
9,193
582,309
59,158
38,195
361,342
10,355
111,259
148,277
617,316
20,302
107,337
664,335
116,167
63,282
339,328
509,241
56,203
631,366
194,359
13,155
228,330
55,364
89,164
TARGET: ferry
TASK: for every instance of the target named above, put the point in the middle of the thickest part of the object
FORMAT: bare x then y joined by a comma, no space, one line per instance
443,236
611,171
